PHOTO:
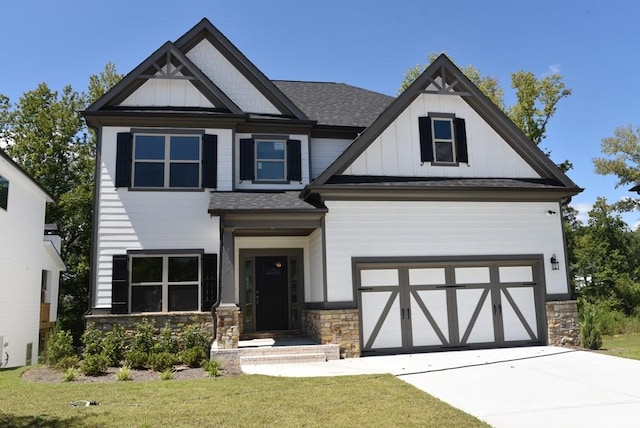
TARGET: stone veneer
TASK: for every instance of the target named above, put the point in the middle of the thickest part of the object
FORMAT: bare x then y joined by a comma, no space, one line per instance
338,326
177,320
562,323
229,320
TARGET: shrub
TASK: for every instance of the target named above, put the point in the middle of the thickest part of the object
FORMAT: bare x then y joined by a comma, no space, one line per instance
60,346
143,338
194,336
162,361
590,335
213,368
124,374
193,357
69,375
166,341
92,340
93,365
166,374
66,363
137,359
113,345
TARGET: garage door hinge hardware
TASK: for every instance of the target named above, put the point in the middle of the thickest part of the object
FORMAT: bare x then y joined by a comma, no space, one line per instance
529,283
365,288
499,307
449,286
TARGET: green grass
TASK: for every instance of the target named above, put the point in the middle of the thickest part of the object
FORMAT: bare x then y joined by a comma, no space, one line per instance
230,401
622,345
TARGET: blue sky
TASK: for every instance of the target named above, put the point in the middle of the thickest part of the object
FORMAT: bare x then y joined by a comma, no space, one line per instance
364,43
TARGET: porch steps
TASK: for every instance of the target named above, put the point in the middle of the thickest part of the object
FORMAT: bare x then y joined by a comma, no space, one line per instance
288,354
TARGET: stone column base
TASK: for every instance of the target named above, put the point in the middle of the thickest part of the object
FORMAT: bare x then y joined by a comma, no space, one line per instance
229,327
338,326
562,323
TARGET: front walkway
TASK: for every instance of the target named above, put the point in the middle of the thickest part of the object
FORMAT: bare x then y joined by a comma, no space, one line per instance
515,387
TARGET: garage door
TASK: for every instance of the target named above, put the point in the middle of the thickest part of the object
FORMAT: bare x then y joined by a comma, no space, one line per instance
413,307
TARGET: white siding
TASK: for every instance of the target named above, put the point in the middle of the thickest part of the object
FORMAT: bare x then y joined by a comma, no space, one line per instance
22,259
225,75
293,185
314,288
167,92
394,229
396,152
163,220
225,158
324,151
270,242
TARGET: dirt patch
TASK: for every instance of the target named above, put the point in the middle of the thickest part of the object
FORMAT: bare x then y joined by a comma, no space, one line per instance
46,374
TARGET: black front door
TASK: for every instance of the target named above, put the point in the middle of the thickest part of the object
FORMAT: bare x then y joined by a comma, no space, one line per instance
272,293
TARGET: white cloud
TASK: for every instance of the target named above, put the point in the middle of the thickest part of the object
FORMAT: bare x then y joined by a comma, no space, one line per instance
583,209
553,69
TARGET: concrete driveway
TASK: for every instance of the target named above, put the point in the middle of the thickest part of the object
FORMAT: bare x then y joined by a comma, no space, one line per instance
517,387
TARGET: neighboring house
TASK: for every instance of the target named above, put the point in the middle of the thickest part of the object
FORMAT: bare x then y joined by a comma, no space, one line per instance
424,222
30,267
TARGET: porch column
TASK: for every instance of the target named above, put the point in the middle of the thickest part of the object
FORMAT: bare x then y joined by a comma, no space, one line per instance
227,289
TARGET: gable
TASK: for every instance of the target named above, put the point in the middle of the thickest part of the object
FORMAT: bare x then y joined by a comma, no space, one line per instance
391,146
229,79
396,151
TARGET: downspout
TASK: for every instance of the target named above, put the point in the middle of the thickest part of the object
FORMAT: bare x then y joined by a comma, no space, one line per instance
219,285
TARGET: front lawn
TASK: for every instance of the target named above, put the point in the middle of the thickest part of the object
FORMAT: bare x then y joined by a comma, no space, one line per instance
622,345
375,400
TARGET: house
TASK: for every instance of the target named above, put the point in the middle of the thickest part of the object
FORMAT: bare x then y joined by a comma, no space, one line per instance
424,222
30,267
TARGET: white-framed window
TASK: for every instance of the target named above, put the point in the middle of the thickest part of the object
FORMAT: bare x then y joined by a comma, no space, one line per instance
165,283
4,192
166,161
443,140
271,160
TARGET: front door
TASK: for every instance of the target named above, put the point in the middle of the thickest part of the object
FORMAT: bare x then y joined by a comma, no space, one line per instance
272,293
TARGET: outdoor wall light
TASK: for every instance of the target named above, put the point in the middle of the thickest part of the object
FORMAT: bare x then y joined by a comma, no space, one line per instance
550,213
555,265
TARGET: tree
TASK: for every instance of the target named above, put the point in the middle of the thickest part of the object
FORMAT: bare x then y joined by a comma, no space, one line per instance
49,139
536,98
623,150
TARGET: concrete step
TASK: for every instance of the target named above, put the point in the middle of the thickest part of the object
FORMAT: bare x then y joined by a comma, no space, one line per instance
318,357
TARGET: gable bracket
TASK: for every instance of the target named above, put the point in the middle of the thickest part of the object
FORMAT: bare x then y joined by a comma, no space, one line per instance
170,73
446,88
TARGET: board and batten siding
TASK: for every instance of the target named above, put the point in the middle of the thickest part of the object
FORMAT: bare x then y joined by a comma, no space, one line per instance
396,151
146,220
289,185
433,229
167,93
324,151
227,77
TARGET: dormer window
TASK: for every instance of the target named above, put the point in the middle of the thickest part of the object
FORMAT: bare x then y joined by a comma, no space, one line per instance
271,160
443,139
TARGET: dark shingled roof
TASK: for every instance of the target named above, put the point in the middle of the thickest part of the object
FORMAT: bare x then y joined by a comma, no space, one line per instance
257,201
433,182
335,104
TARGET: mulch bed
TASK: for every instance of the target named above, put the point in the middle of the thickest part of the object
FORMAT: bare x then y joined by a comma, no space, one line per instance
46,374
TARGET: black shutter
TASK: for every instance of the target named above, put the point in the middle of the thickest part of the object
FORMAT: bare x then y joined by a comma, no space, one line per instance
246,159
210,161
209,281
120,285
124,152
426,142
461,140
294,161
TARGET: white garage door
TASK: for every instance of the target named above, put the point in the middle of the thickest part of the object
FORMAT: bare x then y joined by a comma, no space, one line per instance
409,307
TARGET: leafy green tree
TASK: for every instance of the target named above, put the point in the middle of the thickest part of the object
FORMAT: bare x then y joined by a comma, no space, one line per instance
606,253
622,160
536,98
47,136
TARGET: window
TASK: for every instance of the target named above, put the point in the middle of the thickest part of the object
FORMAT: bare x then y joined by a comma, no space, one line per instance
159,161
443,139
4,192
274,159
270,160
165,283
166,161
